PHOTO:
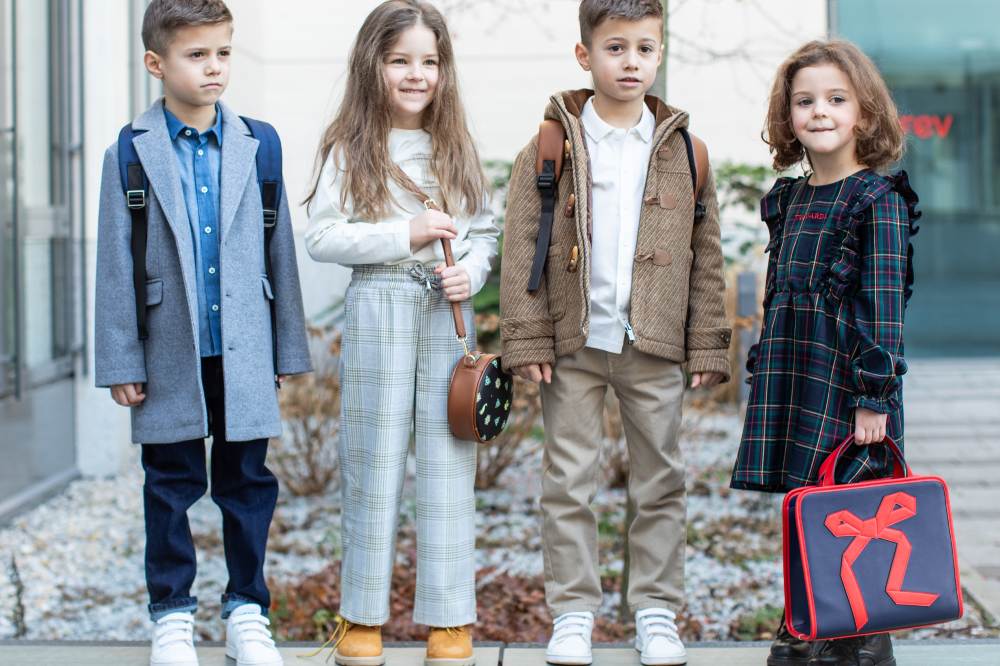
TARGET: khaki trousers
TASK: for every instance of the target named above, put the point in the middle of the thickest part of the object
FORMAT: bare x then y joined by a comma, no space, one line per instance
650,390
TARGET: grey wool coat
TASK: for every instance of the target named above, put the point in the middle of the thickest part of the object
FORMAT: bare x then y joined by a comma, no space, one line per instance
169,361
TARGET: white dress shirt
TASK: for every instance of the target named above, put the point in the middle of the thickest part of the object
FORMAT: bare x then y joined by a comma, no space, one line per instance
335,234
619,160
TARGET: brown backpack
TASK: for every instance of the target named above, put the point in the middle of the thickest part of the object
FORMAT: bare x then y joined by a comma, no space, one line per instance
554,148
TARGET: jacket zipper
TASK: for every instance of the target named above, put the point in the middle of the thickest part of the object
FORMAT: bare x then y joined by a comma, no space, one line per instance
630,333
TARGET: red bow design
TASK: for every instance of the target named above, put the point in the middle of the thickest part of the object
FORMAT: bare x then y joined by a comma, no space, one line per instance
894,508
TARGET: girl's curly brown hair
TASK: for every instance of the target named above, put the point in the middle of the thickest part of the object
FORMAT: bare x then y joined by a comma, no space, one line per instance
880,139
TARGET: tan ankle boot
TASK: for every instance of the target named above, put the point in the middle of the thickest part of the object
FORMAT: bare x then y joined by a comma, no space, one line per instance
357,644
449,646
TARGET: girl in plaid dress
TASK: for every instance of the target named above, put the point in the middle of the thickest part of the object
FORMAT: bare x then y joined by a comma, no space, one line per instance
829,362
401,112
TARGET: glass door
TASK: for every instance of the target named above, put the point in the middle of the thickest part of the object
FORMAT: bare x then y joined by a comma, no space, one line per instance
8,226
942,63
40,256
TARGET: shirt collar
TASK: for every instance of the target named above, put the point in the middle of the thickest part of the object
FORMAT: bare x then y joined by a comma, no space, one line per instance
597,129
175,126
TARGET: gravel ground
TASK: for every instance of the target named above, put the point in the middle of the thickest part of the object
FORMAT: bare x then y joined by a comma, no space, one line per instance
79,557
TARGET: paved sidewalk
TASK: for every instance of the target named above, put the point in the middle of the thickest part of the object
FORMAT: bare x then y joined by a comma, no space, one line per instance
926,653
952,421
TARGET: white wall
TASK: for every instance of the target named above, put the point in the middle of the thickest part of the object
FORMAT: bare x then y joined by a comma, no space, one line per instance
289,65
723,58
102,426
289,68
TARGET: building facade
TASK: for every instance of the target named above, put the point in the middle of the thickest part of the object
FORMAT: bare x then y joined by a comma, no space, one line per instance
942,62
71,74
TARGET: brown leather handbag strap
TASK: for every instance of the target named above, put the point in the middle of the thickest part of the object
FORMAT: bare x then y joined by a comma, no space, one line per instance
449,258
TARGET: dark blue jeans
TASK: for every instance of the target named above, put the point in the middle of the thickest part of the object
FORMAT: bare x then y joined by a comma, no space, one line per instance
243,488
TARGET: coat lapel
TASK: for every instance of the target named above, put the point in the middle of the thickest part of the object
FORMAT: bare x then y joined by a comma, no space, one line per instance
156,153
239,151
158,161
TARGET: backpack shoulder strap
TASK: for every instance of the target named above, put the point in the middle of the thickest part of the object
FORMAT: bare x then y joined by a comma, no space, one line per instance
548,169
701,164
268,167
551,147
697,154
270,181
135,187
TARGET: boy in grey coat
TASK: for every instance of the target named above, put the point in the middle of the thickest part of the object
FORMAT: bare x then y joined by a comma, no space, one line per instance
206,366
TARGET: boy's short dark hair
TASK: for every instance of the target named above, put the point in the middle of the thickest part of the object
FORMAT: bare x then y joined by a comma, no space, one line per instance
595,12
164,17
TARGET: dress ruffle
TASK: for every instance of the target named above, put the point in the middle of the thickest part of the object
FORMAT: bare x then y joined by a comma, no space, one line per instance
844,261
773,207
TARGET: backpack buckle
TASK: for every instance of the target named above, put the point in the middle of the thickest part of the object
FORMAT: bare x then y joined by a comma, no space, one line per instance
270,217
546,180
136,199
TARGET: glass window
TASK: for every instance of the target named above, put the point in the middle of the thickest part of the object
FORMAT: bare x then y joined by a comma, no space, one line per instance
37,247
8,244
942,62
43,222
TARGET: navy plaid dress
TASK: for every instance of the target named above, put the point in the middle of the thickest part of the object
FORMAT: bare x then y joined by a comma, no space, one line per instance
838,278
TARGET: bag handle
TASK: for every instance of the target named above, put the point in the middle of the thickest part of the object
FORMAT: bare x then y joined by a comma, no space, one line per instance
828,470
449,258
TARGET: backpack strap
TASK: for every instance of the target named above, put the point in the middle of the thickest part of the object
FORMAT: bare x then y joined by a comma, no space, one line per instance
135,187
548,169
270,181
697,154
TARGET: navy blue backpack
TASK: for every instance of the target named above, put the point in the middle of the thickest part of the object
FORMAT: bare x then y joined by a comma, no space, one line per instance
135,185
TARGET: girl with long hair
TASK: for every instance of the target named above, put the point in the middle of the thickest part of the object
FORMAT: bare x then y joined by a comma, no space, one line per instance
401,133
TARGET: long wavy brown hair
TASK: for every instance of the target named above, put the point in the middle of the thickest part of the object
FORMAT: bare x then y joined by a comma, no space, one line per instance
880,139
358,137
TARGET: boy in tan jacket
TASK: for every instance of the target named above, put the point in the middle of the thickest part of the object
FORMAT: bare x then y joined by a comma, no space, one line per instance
632,288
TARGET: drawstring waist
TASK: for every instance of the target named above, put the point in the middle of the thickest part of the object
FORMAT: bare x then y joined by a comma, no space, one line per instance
422,274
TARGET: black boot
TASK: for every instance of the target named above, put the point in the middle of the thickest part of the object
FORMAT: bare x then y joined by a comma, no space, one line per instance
787,650
875,650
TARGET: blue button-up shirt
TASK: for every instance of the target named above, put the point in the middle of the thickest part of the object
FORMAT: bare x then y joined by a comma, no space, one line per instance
199,157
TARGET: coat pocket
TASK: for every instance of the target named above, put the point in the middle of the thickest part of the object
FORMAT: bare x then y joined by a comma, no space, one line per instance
660,288
154,292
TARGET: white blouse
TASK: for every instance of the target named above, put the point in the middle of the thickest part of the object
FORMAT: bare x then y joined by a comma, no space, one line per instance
335,234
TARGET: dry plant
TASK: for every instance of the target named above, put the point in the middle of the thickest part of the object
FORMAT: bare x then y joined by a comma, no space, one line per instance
516,441
305,456
518,438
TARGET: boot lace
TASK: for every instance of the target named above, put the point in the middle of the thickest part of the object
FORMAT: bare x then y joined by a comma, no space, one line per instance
340,630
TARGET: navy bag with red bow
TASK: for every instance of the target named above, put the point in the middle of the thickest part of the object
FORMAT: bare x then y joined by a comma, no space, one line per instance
869,557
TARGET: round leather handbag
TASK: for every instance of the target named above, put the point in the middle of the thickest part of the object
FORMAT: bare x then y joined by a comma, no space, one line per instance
481,392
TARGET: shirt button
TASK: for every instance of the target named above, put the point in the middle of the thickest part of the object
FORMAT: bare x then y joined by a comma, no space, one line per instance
208,230
215,308
200,152
211,270
187,132
204,190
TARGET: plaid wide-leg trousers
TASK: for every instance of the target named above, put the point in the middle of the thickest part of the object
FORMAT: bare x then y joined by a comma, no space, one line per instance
399,348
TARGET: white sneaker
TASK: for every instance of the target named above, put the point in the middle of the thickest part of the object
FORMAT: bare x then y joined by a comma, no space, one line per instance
173,641
248,640
656,638
570,642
